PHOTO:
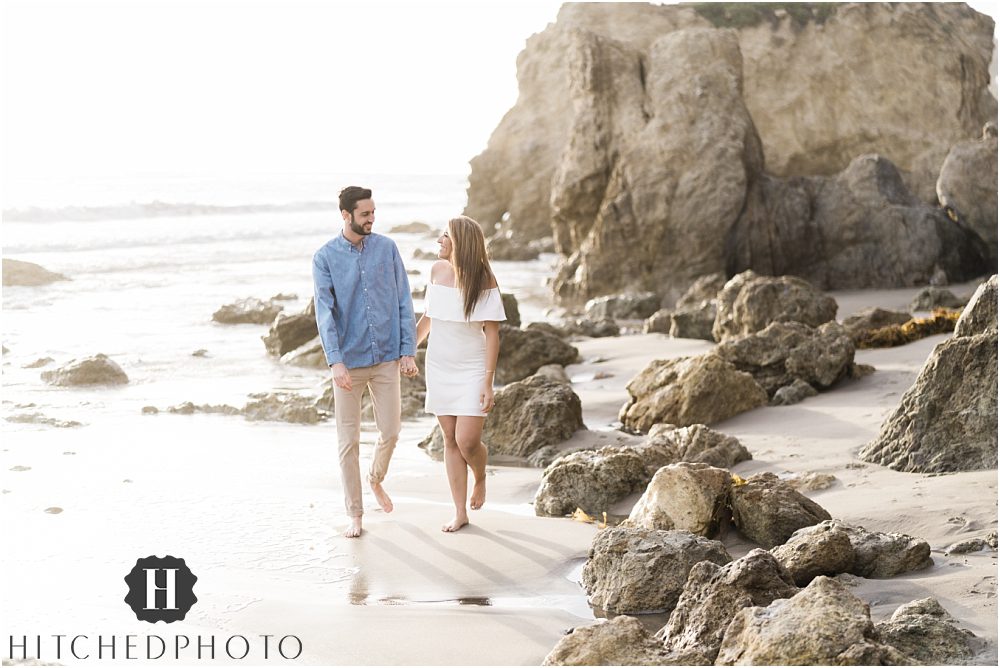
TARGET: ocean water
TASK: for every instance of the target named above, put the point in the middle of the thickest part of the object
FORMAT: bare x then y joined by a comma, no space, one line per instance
151,260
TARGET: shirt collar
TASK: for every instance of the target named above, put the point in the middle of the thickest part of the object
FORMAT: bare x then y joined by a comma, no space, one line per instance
347,243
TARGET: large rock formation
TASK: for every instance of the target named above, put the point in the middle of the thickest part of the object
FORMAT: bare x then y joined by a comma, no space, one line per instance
748,303
524,351
651,122
531,414
947,421
967,186
644,570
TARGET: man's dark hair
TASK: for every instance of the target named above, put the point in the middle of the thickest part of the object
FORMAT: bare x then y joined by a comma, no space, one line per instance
351,195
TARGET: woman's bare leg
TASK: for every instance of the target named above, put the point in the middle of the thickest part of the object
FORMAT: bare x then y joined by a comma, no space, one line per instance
469,434
458,475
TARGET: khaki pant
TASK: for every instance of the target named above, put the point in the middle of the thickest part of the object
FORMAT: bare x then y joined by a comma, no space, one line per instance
382,381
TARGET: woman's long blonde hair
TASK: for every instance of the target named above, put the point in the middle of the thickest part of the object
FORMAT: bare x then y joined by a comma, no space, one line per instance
473,274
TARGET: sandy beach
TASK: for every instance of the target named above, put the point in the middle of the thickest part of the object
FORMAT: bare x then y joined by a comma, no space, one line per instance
255,510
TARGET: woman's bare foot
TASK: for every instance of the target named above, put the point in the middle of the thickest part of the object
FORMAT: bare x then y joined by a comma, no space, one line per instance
354,530
478,497
460,521
382,498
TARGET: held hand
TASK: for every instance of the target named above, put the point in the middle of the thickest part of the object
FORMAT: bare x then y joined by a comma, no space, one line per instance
341,377
486,399
408,366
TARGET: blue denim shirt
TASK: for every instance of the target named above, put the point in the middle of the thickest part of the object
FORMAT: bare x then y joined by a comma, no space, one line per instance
364,310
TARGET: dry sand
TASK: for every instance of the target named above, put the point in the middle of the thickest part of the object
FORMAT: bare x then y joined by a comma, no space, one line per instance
255,510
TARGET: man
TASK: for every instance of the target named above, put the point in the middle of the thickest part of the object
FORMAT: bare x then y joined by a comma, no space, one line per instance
364,313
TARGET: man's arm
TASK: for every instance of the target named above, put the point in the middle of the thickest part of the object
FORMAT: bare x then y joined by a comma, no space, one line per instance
323,290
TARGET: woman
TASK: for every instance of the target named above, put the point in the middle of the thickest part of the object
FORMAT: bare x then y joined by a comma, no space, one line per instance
462,317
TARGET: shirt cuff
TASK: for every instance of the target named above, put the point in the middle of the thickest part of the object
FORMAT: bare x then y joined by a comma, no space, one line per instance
408,352
334,358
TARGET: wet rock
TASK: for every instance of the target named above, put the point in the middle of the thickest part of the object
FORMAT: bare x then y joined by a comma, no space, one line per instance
523,352
38,418
96,370
927,634
883,555
980,314
689,390
594,480
622,641
531,414
288,332
40,362
713,595
748,303
785,351
510,309
768,511
283,407
644,570
659,322
685,496
797,391
824,624
823,549
190,408
873,318
947,420
967,185
19,272
249,310
698,444
933,297
626,306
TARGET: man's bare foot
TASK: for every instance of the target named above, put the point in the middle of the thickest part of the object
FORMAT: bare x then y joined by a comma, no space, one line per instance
382,498
478,497
456,524
354,530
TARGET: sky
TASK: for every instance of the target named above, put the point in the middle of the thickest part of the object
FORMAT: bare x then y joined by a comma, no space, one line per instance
249,87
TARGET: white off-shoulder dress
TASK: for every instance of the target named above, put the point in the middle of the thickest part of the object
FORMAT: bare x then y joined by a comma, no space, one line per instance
455,366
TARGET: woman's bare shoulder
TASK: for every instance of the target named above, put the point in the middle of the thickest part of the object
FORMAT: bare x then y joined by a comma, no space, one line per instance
441,271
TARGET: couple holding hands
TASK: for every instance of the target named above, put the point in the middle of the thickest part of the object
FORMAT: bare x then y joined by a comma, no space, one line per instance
364,312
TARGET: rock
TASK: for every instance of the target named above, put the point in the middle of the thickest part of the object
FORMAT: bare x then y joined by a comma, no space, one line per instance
592,328
412,228
201,352
967,185
38,418
694,322
713,595
96,370
980,314
249,310
421,254
644,570
704,290
659,322
811,481
19,272
628,306
824,624
419,293
768,511
511,309
543,457
40,362
787,351
873,318
555,372
927,634
689,390
531,414
547,328
797,391
190,408
502,246
698,444
284,297
150,410
523,352
690,497
309,355
859,371
748,303
946,421
822,549
622,641
883,555
594,480
433,443
289,332
283,407
991,539
933,297
968,545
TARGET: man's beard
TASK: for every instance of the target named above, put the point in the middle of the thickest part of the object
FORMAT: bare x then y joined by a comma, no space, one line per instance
359,229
